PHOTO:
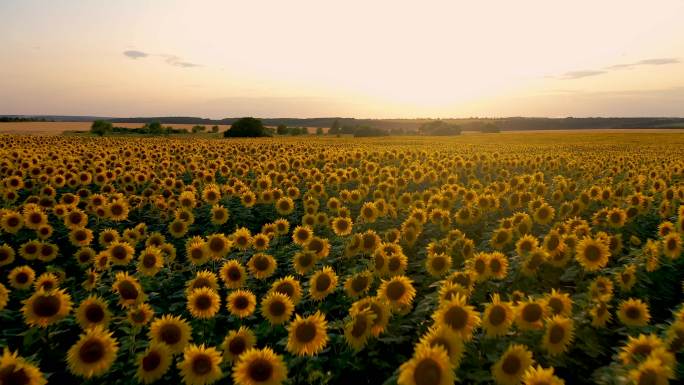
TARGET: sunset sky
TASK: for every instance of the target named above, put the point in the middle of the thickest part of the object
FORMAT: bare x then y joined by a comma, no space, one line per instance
374,59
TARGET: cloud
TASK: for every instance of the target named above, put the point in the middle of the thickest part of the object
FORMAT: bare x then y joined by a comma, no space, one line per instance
168,59
133,54
646,62
615,67
580,74
178,62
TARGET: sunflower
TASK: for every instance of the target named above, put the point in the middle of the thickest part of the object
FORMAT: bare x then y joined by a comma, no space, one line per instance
91,281
639,348
150,261
140,315
526,245
652,372
237,342
358,284
429,365
600,314
277,308
458,316
445,338
200,365
529,314
559,303
241,303
479,266
29,250
497,317
172,331
322,283
80,236
259,367
558,335
498,265
449,290
342,226
197,251
512,364
592,254
282,226
233,274
47,251
672,245
303,262
289,286
11,222
219,215
204,278
129,289
7,254
397,291
107,237
634,312
601,289
117,210
85,256
540,376
178,228
627,277
675,334
358,329
16,370
260,242
262,265
307,336
203,303
242,238
120,253
501,238
93,354
218,245
46,281
92,312
45,308
153,363
4,296
284,206
438,264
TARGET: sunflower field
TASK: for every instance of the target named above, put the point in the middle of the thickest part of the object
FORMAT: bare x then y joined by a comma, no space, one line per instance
528,258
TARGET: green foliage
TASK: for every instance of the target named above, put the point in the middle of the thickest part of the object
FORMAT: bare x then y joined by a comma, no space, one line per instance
247,127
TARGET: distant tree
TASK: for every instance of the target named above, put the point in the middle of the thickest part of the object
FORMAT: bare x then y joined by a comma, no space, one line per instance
198,128
214,129
247,127
490,128
366,131
335,128
347,129
101,127
154,128
319,131
439,128
281,129
294,131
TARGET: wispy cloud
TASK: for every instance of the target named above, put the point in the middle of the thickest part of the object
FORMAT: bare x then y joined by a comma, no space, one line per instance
581,74
178,62
133,54
173,60
616,67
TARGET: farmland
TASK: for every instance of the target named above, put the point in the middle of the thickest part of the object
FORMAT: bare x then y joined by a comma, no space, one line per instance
536,258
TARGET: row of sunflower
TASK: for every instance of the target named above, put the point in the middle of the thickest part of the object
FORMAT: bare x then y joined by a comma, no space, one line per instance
271,261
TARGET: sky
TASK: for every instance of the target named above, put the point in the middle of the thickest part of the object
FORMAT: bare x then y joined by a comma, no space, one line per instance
365,59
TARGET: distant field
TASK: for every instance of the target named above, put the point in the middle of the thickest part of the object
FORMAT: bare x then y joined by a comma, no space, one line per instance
57,128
